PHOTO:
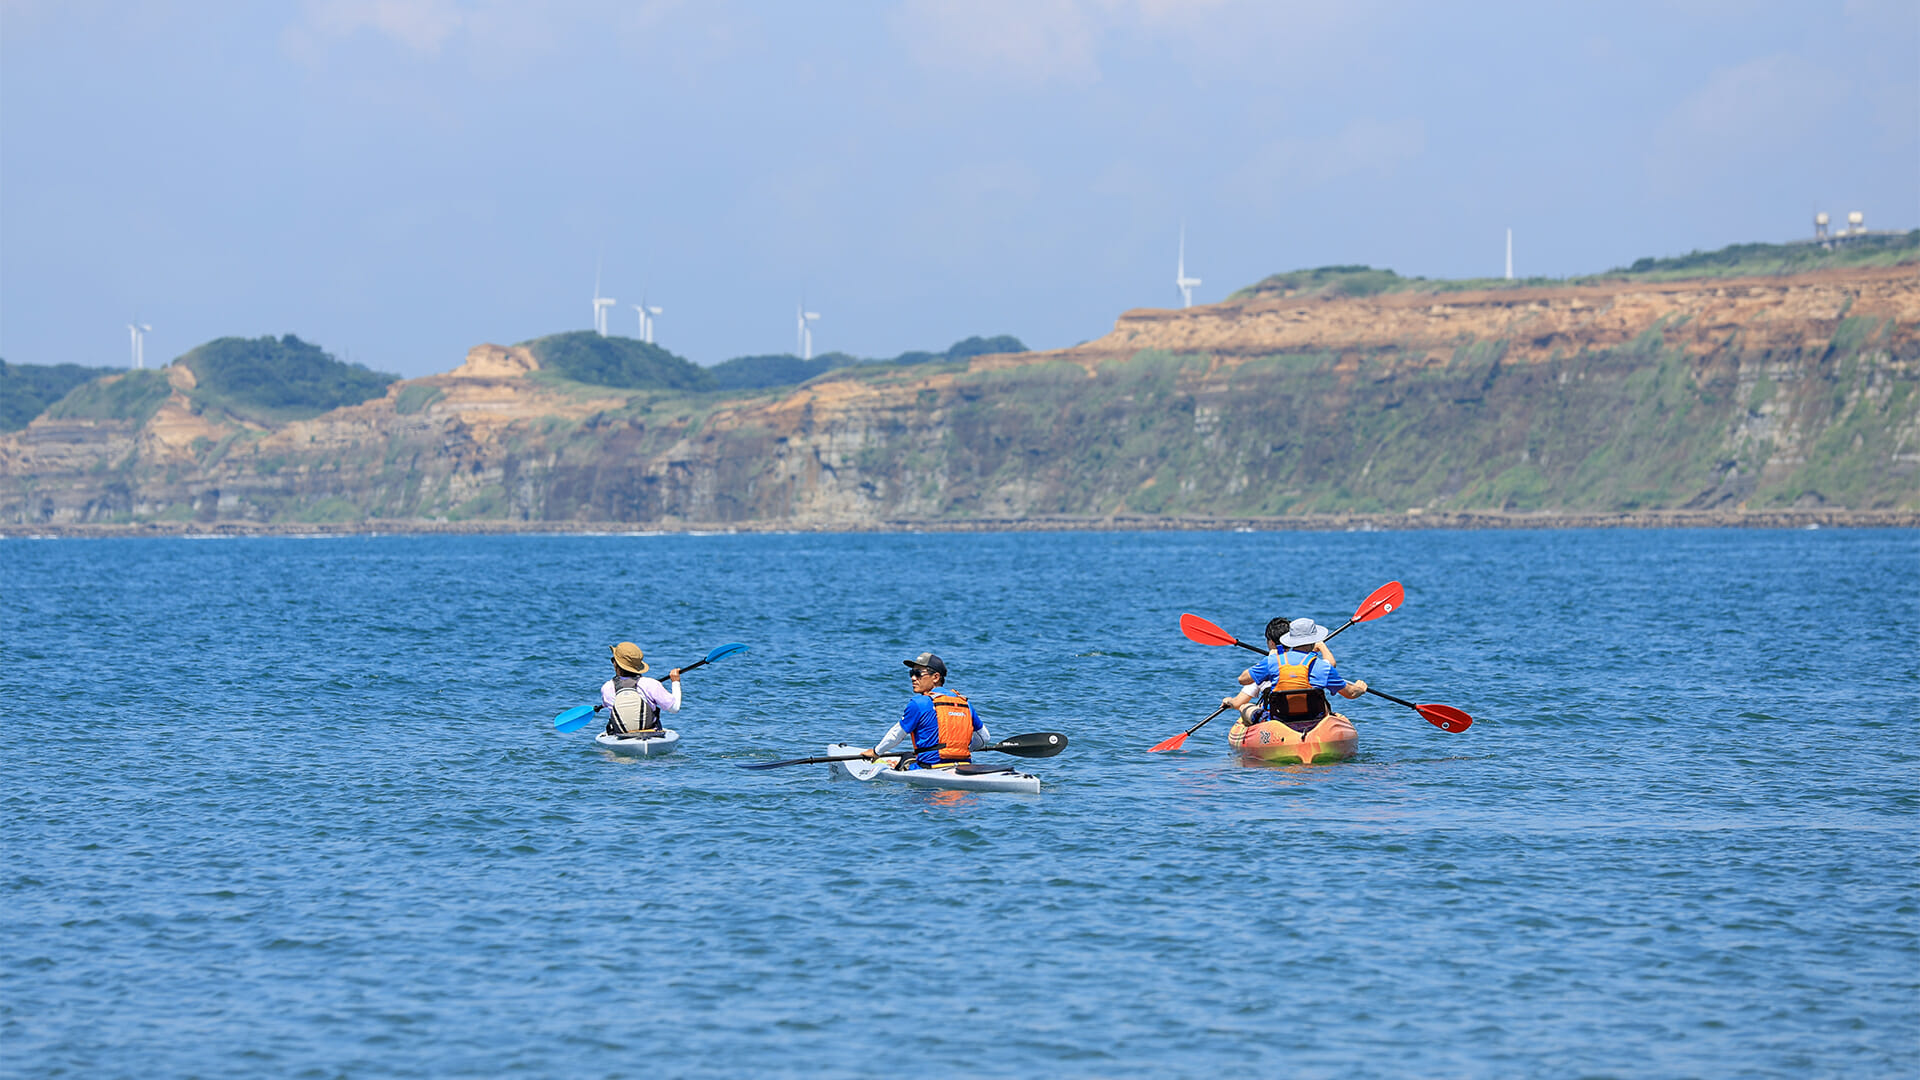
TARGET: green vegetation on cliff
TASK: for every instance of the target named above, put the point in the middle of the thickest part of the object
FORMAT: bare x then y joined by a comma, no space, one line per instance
27,389
623,363
786,369
127,395
1738,260
271,380
780,369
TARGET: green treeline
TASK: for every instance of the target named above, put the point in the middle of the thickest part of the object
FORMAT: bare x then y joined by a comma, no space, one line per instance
271,380
1737,260
27,389
625,363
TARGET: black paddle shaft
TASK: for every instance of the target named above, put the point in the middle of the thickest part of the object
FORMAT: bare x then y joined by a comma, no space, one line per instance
1390,697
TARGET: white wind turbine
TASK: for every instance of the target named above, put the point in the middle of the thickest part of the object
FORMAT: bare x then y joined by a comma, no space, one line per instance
138,332
600,305
1180,279
804,330
646,318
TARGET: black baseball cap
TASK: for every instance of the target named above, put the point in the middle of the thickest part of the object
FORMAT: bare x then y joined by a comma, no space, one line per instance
930,662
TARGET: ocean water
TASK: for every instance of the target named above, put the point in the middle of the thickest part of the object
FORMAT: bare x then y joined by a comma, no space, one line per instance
295,807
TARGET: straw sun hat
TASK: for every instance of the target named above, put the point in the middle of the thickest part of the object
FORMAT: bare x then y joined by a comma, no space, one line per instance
629,658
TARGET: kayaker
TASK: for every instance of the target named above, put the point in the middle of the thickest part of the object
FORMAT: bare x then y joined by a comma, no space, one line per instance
943,727
1294,678
1277,629
634,703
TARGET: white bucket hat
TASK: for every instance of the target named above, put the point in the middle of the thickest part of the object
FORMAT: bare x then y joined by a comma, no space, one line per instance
1304,632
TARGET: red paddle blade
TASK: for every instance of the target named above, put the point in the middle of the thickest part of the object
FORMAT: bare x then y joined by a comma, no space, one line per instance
1204,632
1384,599
1169,744
1445,717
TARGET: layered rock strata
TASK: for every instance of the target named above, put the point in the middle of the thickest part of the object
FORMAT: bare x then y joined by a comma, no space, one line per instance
1754,394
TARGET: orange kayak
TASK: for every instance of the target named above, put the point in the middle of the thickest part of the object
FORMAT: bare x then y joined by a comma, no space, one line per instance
1332,739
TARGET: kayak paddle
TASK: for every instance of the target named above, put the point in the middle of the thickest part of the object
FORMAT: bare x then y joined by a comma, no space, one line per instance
1385,599
1037,744
1204,632
1444,717
576,718
720,652
1174,742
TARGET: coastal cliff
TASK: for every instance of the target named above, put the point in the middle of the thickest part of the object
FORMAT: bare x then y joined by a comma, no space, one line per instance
1760,393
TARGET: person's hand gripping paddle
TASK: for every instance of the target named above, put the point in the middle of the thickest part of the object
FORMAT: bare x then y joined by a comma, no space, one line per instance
1384,600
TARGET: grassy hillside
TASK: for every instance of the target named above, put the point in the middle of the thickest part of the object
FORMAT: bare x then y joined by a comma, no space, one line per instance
782,369
623,363
129,395
27,389
1738,260
785,369
275,380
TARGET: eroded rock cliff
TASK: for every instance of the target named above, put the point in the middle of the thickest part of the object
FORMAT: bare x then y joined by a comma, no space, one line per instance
1762,392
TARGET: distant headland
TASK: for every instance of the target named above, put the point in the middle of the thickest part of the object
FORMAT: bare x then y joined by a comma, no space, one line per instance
1759,385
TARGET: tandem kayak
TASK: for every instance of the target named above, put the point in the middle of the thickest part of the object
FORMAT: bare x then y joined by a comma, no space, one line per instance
645,744
974,777
1332,739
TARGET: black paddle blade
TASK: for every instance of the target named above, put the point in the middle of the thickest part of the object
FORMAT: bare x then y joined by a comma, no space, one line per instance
1037,744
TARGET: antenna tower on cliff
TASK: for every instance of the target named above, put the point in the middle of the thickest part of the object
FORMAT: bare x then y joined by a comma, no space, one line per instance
803,336
1820,222
138,332
1180,279
1509,253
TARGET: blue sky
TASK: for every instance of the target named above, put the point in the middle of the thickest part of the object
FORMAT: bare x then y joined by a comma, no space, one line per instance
399,180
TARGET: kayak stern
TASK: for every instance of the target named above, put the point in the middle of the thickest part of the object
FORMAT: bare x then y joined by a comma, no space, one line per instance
1332,739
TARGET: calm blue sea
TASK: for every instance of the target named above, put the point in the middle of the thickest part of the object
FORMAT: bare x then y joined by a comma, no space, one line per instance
295,807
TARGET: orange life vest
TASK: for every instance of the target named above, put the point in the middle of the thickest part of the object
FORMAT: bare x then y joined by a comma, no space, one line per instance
1293,697
956,726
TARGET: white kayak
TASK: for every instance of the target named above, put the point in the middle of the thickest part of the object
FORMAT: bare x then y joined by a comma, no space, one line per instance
975,777
645,744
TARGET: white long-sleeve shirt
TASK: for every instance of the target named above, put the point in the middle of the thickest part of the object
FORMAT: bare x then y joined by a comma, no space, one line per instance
896,735
654,691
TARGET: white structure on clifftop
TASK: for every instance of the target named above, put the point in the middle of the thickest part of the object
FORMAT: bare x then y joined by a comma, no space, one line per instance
138,331
803,335
600,305
646,318
1180,279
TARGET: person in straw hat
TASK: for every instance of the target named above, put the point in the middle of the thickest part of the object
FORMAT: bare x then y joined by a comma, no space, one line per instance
634,703
1294,675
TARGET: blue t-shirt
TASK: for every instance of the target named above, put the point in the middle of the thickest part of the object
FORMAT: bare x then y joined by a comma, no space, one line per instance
1319,672
922,725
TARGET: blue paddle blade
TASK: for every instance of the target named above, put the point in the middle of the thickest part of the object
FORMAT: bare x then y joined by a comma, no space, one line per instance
726,650
573,719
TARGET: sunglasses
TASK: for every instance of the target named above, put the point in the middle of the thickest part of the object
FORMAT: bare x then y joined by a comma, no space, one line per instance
922,673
